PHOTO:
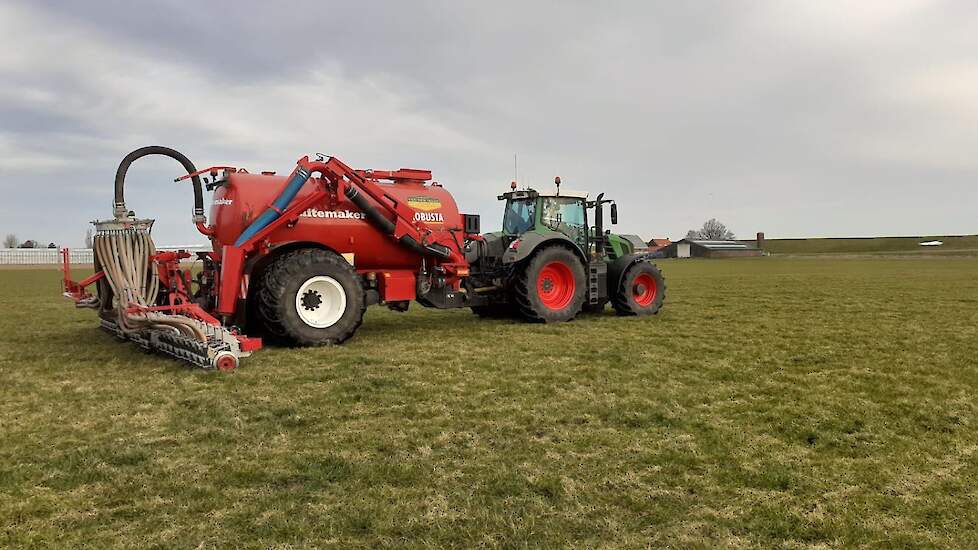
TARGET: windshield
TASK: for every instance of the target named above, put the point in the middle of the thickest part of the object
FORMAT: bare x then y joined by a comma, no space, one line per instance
565,214
519,217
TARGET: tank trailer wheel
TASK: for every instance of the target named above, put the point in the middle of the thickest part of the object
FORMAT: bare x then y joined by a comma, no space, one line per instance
551,287
311,297
641,291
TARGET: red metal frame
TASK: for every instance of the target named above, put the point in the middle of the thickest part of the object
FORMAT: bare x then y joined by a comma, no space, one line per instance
76,291
172,278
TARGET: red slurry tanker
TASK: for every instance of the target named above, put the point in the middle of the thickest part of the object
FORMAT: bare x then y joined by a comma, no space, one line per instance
298,259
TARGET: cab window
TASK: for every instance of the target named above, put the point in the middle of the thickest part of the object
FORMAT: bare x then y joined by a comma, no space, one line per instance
565,214
519,217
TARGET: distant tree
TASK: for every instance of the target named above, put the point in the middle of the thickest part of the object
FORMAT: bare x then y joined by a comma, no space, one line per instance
712,230
10,241
88,238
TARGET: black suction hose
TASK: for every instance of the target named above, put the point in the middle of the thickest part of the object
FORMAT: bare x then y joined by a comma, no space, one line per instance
387,226
120,177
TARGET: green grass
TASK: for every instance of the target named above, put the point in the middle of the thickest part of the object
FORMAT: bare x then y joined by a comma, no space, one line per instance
953,245
792,403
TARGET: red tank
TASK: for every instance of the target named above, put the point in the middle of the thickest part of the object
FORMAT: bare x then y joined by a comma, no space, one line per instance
341,227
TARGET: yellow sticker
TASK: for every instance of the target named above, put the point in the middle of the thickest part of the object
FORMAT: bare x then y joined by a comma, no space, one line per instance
421,202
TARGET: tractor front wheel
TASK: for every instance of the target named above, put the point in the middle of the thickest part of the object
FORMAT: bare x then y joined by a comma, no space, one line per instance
641,290
551,287
311,297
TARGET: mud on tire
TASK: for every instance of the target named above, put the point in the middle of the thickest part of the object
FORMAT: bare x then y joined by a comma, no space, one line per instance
330,307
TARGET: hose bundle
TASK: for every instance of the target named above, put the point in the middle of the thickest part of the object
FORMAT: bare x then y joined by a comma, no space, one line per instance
126,258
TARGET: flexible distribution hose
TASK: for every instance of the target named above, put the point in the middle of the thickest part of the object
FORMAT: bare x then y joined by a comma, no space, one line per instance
126,258
120,177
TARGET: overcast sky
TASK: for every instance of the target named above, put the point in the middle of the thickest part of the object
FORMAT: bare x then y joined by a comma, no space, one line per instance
815,118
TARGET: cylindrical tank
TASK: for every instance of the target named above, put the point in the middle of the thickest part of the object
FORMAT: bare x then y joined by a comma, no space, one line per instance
342,227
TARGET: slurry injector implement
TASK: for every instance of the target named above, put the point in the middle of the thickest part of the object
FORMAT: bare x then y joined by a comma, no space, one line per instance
297,259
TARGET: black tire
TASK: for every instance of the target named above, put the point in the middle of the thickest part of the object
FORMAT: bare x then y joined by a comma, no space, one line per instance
632,297
281,283
526,290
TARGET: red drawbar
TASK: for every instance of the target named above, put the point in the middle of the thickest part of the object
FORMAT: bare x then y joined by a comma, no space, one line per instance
644,289
556,285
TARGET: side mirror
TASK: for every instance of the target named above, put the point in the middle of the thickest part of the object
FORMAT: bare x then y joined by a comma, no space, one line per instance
614,213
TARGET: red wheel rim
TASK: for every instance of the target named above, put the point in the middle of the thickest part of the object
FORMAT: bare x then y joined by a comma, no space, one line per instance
644,289
555,285
227,363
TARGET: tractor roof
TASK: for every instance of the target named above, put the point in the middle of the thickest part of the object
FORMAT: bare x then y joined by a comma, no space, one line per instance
533,193
565,193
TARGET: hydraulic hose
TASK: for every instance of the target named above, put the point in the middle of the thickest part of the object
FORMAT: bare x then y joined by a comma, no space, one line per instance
298,178
387,226
120,178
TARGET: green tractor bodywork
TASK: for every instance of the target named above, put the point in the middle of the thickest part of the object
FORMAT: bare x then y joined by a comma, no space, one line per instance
554,258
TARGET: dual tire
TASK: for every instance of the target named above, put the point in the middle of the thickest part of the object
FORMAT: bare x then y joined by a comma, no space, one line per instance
311,297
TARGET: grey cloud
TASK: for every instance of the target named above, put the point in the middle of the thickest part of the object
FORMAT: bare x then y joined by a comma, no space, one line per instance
796,118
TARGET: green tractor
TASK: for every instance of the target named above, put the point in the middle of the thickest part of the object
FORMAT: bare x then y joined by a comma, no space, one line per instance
548,264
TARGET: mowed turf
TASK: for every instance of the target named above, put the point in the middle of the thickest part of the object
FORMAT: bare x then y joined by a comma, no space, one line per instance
772,403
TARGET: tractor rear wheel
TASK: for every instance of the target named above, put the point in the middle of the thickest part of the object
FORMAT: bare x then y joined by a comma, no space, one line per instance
551,287
641,290
311,297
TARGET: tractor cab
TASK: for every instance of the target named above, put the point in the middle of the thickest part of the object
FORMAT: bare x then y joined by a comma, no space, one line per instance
531,211
569,213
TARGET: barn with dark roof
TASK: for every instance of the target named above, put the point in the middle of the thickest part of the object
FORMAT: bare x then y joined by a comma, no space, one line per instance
694,248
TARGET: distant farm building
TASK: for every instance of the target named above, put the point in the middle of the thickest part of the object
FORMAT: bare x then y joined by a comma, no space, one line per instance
691,248
656,245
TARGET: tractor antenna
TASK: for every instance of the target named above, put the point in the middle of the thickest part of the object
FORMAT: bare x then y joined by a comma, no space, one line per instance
516,169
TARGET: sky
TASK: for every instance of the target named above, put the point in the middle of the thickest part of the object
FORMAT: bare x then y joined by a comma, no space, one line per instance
796,118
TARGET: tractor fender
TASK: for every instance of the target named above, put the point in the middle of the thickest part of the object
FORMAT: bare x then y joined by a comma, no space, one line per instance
528,243
618,268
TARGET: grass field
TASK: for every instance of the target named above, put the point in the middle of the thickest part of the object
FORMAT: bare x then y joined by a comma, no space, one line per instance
953,245
773,402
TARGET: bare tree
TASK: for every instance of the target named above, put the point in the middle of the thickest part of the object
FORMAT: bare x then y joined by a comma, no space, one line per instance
10,241
88,238
712,230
